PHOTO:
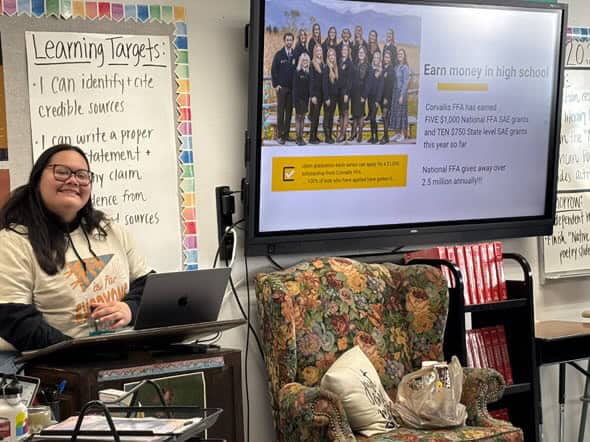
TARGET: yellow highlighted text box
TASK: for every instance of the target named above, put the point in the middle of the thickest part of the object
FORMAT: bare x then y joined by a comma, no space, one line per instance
466,87
338,172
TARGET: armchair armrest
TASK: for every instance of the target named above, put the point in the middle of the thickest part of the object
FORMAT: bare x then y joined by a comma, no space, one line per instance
309,413
481,386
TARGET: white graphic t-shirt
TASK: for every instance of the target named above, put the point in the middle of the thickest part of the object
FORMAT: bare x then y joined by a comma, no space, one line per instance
63,298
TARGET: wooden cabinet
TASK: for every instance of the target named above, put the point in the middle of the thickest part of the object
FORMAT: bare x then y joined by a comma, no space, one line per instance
222,372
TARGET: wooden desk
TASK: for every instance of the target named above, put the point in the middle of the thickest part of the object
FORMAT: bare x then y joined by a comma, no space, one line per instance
222,371
562,342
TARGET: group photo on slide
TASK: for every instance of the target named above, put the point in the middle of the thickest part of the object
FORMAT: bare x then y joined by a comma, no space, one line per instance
337,76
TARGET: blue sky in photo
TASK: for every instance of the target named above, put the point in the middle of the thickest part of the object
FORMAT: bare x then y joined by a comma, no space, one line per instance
346,14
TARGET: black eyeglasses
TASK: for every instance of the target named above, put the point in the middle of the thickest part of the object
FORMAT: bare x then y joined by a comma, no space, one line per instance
63,173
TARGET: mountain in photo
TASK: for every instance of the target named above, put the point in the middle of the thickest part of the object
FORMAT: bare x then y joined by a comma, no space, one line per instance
301,13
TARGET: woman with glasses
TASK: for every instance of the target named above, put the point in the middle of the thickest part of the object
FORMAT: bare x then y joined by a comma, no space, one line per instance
60,258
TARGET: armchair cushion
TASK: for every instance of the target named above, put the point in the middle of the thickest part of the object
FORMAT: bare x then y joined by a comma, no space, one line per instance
354,380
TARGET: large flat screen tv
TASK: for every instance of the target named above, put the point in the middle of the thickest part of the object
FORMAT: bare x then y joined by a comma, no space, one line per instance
387,123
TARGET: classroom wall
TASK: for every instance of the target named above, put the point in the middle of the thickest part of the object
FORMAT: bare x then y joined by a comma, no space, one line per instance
219,107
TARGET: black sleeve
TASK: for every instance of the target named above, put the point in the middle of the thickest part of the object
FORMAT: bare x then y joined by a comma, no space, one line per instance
325,84
23,326
274,70
133,297
348,85
367,83
380,85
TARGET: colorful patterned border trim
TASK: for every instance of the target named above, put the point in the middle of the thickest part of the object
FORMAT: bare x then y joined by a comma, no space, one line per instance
579,33
167,14
159,369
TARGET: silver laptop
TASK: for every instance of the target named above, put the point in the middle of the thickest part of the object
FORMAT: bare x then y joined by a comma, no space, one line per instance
180,298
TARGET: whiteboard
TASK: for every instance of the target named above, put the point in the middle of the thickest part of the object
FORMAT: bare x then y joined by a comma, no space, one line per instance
567,252
110,95
174,98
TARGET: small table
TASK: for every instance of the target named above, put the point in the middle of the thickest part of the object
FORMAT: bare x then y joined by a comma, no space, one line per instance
563,342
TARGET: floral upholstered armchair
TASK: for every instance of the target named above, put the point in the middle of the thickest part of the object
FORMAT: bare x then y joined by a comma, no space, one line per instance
313,312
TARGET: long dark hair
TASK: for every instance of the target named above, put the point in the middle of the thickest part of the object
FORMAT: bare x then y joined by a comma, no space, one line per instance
46,233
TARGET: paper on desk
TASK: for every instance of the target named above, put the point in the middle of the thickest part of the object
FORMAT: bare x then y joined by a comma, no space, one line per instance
102,438
99,423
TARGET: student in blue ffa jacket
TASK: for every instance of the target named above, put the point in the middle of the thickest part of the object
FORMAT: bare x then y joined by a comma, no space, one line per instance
330,89
360,77
389,80
374,94
301,95
344,86
315,92
282,69
330,42
301,46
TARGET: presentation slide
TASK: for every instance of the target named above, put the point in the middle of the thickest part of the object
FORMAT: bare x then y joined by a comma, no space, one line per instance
464,133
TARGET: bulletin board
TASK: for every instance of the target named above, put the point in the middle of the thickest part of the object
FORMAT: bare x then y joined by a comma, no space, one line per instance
566,253
113,79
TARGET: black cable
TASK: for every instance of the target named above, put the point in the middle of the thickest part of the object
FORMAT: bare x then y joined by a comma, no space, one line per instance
237,298
246,317
245,314
227,231
274,263
367,255
208,340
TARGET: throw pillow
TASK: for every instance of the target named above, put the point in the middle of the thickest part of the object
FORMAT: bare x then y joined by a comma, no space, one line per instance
356,383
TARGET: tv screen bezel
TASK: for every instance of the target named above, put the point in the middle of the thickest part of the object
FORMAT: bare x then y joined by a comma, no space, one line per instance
389,236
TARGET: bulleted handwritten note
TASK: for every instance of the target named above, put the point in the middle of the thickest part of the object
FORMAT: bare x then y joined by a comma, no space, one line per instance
112,95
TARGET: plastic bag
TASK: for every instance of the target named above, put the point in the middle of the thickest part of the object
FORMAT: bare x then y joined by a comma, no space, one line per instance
429,397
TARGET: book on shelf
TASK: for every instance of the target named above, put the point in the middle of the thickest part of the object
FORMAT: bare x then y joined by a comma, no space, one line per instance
460,257
501,414
499,264
485,272
481,349
491,255
501,332
470,274
488,348
452,258
477,270
473,349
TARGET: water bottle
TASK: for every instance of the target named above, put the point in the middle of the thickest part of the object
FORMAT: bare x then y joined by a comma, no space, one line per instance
14,423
